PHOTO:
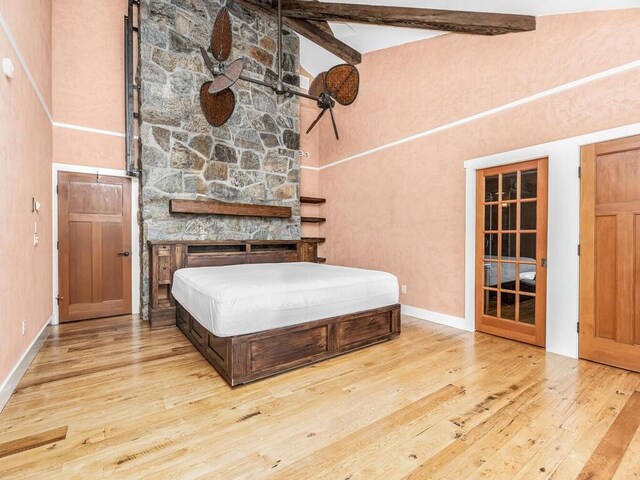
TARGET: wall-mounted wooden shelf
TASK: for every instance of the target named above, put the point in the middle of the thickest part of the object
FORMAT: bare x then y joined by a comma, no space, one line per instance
313,219
215,207
314,239
312,200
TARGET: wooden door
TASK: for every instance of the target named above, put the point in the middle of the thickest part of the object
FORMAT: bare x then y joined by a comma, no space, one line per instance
511,251
610,253
94,233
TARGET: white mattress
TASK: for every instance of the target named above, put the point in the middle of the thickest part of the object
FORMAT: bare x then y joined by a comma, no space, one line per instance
241,299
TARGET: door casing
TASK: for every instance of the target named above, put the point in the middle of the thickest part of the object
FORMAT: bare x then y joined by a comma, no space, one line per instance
57,168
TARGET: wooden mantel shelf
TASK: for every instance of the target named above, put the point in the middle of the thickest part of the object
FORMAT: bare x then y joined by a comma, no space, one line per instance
216,207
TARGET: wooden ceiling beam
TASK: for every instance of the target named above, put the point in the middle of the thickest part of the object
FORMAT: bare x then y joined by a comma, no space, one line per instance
321,24
316,34
477,23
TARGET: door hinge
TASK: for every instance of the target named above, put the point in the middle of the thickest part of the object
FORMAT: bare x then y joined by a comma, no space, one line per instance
57,245
58,298
57,189
578,327
578,249
580,172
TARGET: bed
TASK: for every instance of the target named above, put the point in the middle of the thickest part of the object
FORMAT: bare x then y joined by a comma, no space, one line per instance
255,309
526,273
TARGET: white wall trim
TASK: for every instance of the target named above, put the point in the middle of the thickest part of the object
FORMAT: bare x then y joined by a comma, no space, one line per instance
34,86
88,129
523,101
19,369
563,230
98,131
441,318
135,229
18,54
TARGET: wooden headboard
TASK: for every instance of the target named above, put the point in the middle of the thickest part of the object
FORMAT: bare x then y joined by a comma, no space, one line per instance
168,256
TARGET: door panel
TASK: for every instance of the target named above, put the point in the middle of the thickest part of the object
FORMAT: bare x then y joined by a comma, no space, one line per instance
112,272
610,255
605,319
94,223
511,226
80,264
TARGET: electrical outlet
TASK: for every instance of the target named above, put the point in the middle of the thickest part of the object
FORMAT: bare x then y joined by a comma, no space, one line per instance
404,289
36,240
24,327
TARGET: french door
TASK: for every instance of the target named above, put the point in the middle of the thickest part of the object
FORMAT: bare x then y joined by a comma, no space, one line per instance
511,251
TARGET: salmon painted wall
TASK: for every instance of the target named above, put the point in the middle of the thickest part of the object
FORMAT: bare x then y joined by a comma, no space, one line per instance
401,208
309,176
25,156
88,82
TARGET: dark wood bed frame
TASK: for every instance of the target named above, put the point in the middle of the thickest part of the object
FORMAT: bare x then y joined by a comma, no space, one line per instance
244,358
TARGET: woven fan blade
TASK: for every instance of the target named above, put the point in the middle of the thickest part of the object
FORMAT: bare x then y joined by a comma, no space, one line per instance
343,83
316,120
221,36
317,86
228,77
217,107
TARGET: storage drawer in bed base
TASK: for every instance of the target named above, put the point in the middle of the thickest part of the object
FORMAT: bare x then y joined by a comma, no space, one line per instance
245,358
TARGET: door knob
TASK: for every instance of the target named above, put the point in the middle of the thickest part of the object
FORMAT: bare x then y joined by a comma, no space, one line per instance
125,253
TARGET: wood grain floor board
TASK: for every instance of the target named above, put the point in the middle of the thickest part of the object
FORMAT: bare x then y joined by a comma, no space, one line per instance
605,460
313,429
434,403
564,441
29,442
630,465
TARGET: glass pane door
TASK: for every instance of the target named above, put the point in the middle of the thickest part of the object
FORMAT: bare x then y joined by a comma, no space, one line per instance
512,241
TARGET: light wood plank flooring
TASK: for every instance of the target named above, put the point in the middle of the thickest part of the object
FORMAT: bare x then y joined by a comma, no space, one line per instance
111,399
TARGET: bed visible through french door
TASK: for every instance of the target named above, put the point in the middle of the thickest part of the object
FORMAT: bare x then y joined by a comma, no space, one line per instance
511,251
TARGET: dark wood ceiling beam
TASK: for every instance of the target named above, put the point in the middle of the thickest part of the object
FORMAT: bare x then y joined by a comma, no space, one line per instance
321,24
477,23
308,30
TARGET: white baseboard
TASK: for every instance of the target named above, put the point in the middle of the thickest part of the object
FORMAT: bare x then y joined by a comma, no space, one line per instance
14,377
441,318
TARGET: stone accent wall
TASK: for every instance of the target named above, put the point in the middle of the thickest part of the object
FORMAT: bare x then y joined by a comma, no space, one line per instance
251,159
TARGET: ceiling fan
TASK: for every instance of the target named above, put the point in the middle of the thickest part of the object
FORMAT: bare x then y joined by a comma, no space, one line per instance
340,84
310,18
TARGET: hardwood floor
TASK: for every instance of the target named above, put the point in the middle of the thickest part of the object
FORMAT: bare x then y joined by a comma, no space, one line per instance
112,399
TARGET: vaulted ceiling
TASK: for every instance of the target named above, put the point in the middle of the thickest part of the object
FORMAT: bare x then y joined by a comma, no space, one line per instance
367,38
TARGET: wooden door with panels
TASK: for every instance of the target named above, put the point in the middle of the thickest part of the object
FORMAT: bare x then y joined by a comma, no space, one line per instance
610,253
511,251
94,234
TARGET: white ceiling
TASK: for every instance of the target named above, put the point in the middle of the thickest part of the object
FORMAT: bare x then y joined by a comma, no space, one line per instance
367,38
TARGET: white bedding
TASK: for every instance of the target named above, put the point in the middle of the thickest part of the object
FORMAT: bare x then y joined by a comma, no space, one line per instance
241,299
